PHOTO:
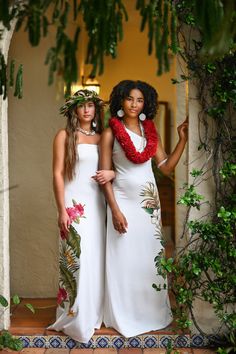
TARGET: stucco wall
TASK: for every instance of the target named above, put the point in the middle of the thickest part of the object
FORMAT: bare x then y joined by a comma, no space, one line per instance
4,190
33,122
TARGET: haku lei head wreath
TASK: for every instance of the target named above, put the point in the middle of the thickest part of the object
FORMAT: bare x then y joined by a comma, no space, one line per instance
80,97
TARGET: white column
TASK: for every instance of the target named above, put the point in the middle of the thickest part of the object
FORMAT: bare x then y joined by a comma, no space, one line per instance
181,170
4,193
198,159
188,103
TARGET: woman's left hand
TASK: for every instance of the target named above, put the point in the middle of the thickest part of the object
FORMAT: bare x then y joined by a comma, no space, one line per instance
183,130
104,176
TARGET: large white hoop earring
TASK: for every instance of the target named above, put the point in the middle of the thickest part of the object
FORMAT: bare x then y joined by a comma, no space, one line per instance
142,117
120,113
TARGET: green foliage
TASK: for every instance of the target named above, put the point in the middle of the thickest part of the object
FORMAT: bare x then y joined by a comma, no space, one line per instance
9,341
104,25
215,20
4,78
191,197
228,170
16,300
104,30
204,268
3,301
196,173
19,83
30,307
161,19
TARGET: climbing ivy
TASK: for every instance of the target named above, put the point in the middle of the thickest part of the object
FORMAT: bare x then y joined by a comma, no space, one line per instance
204,269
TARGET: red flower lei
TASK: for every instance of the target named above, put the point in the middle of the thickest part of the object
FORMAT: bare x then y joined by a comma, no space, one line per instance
127,145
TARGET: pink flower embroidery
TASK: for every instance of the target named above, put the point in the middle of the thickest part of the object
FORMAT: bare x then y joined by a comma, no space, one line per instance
80,209
61,295
75,212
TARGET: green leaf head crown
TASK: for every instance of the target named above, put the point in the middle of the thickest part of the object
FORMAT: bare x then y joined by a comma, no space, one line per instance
80,97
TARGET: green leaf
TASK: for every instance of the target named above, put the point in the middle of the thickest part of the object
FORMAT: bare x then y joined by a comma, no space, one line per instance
73,240
12,70
16,300
30,307
196,172
3,301
175,81
148,210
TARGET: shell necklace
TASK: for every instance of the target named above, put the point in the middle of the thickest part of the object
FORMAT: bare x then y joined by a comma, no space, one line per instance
86,132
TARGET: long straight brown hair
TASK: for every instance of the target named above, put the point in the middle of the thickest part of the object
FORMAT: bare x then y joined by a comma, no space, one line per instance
71,139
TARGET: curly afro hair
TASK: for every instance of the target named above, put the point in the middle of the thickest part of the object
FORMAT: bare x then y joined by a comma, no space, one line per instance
122,91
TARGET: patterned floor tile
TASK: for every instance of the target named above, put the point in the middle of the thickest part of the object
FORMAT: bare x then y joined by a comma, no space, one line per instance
117,342
197,340
135,342
166,341
182,341
150,341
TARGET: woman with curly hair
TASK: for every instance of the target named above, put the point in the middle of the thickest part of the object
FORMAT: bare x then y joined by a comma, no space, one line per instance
134,233
81,217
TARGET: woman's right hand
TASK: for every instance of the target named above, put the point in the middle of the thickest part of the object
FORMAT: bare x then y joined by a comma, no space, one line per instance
104,176
64,221
119,221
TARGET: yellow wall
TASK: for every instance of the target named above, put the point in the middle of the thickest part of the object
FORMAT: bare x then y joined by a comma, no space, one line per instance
33,122
133,62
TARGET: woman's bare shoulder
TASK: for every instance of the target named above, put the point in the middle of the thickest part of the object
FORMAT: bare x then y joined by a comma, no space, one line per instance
107,133
60,136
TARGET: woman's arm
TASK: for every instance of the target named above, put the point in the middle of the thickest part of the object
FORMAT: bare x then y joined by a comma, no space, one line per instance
58,179
106,146
104,176
167,163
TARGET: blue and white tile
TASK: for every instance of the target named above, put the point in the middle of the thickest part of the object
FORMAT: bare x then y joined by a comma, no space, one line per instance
197,341
150,341
39,342
165,341
134,342
182,341
102,342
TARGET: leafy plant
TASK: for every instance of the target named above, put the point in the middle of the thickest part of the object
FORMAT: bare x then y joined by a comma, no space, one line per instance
205,267
7,340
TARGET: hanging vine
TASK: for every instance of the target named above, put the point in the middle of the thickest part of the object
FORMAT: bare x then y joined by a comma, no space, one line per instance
104,30
104,25
160,18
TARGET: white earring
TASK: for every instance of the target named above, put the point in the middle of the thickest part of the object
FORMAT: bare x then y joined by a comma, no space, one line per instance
94,124
142,117
120,113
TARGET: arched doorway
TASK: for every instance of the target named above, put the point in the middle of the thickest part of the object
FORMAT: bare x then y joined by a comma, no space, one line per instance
32,125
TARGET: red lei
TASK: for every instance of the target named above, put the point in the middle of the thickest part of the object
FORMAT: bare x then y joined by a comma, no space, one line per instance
127,145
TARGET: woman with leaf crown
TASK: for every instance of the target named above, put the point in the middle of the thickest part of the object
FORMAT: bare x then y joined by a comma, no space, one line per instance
134,232
81,216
